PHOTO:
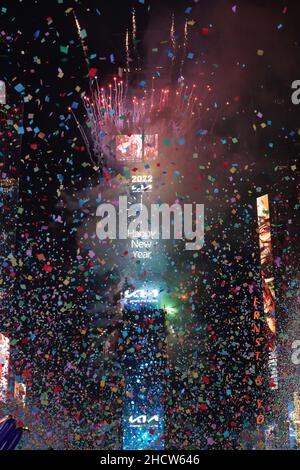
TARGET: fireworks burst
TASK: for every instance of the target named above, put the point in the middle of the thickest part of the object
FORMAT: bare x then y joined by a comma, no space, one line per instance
113,110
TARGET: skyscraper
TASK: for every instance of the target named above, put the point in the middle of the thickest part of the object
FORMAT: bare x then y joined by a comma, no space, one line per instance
144,366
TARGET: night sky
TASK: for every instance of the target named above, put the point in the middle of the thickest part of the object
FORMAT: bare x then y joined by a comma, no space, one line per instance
244,57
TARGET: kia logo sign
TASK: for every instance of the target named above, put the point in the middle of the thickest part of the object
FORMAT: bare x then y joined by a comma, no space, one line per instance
144,420
141,294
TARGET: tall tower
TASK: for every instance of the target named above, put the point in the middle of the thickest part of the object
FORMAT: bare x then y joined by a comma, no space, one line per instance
144,368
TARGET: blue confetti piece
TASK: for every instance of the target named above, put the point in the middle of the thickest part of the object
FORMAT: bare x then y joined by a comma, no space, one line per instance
19,88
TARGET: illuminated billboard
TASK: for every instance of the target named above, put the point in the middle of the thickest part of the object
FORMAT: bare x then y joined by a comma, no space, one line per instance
267,276
296,418
143,417
150,147
294,422
144,364
4,361
136,147
19,390
2,92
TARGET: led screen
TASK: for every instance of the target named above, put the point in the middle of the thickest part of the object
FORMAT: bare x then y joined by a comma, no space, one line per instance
136,147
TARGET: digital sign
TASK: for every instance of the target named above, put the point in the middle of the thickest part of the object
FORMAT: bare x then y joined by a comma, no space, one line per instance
2,92
151,147
267,276
144,365
144,420
4,361
141,183
136,147
141,295
19,390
